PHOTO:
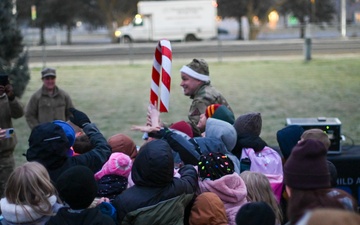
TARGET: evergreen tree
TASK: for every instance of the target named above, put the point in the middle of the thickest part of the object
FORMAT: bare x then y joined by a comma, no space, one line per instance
13,61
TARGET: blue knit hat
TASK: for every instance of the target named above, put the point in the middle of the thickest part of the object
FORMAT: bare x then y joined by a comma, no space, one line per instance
68,129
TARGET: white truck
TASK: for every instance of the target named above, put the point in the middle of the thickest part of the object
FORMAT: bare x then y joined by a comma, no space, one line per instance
183,20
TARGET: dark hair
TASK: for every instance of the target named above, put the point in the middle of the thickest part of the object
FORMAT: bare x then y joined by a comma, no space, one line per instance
4,79
301,201
82,144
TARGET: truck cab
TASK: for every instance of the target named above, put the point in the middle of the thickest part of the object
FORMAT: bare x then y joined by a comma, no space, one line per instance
139,30
182,20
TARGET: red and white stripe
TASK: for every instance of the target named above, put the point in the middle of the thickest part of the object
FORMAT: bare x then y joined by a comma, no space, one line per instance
161,68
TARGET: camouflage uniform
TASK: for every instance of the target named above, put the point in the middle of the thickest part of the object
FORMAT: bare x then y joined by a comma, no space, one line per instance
43,107
204,96
8,109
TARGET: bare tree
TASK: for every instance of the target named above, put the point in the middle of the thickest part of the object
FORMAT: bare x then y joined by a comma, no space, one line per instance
316,11
251,9
116,12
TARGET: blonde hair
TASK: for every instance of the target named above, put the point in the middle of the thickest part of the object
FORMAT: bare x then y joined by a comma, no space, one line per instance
259,189
30,185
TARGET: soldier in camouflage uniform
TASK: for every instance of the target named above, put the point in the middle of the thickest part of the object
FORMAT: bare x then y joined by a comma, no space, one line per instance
10,107
196,84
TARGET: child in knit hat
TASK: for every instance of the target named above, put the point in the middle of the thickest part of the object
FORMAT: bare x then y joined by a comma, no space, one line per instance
49,145
183,127
307,180
248,128
216,174
208,209
253,150
123,143
77,188
316,134
112,179
69,132
216,111
287,138
255,213
320,135
157,197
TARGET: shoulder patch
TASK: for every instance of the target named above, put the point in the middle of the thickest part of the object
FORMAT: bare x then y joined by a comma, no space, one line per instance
196,112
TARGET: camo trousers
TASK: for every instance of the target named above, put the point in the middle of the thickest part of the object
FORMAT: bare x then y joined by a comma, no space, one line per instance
7,166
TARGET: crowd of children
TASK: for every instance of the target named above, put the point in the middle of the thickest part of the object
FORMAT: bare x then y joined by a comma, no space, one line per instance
229,175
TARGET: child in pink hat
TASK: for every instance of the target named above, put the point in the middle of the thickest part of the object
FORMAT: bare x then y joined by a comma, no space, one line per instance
112,179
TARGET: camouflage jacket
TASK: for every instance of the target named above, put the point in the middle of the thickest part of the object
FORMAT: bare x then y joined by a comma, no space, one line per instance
204,96
45,108
8,110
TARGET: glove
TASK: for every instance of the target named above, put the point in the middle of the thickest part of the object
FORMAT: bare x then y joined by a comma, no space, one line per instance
161,134
9,92
79,118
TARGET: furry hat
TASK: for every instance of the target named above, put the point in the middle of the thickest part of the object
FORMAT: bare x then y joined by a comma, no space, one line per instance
249,124
256,213
198,69
307,167
68,129
123,143
77,187
215,165
183,127
118,164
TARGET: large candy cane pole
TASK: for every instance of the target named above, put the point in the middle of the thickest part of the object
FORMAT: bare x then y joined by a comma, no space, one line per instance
162,63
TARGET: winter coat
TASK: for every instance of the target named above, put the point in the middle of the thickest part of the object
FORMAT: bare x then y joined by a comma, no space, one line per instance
111,185
8,110
191,150
90,216
231,189
204,96
43,107
157,196
54,157
15,214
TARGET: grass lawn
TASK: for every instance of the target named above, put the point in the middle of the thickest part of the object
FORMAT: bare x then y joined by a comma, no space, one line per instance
116,96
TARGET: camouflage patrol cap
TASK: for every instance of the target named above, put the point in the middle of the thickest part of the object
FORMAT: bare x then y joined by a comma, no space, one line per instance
47,72
199,66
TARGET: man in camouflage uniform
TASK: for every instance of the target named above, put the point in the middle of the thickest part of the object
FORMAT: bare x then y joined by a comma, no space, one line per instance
196,84
49,103
10,107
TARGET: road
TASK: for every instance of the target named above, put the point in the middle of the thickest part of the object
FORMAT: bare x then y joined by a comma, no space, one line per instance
210,49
